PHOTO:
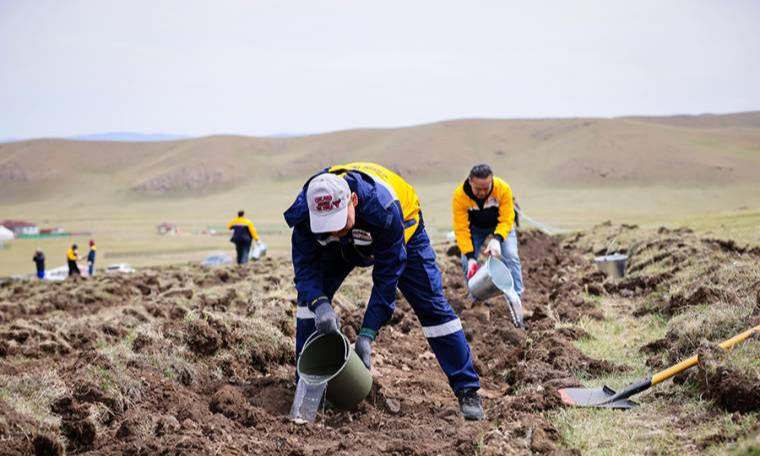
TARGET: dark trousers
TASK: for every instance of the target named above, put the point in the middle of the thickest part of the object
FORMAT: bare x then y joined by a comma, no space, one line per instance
421,285
242,252
74,268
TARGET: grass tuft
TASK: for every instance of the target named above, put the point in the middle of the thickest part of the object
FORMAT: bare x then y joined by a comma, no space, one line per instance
32,394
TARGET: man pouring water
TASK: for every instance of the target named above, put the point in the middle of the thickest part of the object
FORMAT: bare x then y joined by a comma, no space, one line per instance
364,215
483,206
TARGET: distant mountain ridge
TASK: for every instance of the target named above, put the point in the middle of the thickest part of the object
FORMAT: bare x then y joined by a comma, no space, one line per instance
749,119
127,136
130,137
111,136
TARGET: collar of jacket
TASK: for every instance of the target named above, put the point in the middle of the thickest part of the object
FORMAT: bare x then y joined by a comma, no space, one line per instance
468,191
372,203
238,220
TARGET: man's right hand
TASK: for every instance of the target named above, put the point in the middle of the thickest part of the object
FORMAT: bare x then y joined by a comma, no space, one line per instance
327,321
363,348
472,268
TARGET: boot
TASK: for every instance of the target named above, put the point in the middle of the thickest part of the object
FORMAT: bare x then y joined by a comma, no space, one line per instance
470,404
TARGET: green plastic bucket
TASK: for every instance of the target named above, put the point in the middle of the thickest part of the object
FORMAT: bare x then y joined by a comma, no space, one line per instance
330,358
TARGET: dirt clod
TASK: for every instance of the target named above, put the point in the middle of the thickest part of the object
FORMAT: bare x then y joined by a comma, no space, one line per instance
202,338
45,445
729,387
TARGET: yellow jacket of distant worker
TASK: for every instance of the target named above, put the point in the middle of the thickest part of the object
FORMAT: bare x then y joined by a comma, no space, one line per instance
243,230
71,254
398,187
496,211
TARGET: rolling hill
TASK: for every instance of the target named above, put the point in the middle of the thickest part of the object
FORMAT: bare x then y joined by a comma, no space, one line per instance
701,151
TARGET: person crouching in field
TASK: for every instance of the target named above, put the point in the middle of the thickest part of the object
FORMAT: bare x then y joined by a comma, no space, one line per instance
72,256
243,234
364,215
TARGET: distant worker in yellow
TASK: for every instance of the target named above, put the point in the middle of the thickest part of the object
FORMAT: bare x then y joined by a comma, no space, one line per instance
72,256
243,235
483,206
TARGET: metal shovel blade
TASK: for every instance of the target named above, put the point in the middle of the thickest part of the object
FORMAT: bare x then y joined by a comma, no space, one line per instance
594,397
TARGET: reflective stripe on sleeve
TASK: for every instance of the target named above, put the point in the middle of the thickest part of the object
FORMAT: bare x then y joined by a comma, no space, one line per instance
304,313
450,327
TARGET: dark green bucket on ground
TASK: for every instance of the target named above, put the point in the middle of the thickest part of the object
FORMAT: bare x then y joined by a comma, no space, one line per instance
330,358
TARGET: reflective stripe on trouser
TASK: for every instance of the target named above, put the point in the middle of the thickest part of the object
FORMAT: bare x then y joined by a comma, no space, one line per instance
421,285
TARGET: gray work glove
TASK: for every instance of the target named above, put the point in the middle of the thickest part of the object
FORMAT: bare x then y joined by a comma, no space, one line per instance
363,348
327,321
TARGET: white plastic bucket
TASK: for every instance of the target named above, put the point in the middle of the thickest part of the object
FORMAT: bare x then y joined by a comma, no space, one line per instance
259,250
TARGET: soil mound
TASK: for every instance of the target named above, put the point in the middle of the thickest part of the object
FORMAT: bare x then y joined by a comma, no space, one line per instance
731,387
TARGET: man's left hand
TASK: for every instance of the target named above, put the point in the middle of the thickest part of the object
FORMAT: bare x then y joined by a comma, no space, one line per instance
494,247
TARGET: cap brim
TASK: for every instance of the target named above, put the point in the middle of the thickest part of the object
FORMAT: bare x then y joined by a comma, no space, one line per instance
329,223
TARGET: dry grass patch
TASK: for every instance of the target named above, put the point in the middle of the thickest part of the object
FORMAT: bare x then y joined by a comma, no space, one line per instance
31,394
714,323
672,418
112,374
261,342
674,426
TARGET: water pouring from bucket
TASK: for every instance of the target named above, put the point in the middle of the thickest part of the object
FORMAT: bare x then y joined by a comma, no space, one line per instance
493,279
329,367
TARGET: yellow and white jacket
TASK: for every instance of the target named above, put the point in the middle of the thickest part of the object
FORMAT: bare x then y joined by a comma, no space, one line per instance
496,211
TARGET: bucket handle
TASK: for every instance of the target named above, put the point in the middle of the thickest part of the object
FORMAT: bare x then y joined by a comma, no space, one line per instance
609,246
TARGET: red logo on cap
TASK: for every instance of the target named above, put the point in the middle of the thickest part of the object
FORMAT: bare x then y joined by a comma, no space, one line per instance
326,203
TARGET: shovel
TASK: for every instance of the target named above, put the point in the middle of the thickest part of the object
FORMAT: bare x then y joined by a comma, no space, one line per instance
608,398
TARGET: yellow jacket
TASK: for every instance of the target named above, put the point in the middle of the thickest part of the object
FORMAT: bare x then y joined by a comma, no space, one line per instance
495,212
242,227
399,188
71,254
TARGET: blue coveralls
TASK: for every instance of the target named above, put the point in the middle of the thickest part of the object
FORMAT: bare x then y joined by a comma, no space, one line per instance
321,263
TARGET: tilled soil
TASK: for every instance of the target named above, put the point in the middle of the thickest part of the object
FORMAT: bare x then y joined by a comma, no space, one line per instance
707,289
185,360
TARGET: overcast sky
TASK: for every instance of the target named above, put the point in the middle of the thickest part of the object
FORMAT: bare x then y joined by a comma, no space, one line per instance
253,67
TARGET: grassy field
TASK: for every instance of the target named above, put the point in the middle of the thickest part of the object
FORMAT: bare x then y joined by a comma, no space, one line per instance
669,419
125,230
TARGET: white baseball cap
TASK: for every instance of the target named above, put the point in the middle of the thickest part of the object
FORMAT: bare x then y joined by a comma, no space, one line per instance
327,197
